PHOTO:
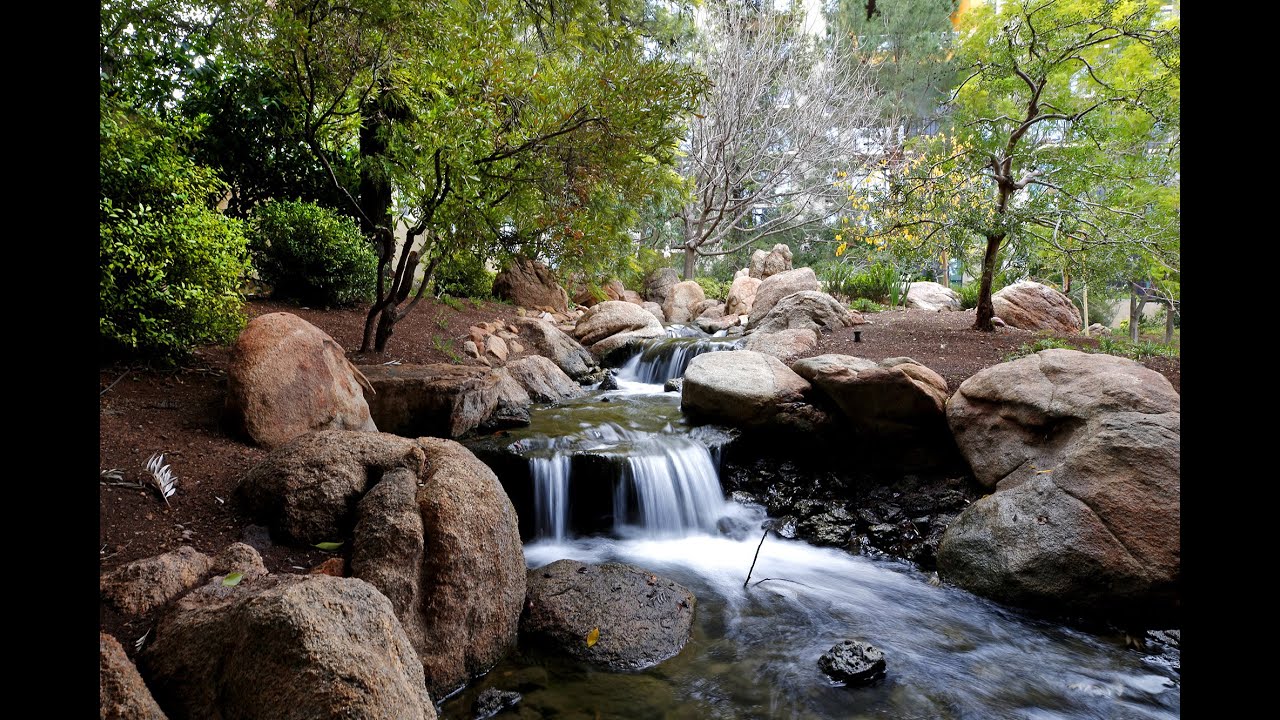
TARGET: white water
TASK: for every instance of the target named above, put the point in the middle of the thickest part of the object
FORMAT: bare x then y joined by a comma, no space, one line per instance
755,649
667,358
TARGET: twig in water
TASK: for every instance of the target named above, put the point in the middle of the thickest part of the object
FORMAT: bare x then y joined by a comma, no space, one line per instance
757,557
797,582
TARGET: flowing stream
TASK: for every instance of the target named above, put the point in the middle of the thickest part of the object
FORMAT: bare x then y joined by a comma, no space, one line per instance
627,460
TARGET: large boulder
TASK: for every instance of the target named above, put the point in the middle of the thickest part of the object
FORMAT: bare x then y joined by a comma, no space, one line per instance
288,377
439,399
608,326
786,345
807,309
633,297
138,588
657,286
528,283
742,388
656,309
444,547
742,294
932,296
682,300
307,490
288,647
1013,419
769,263
142,586
637,618
898,395
122,695
1095,534
543,380
1084,451
549,341
612,290
776,287
1031,306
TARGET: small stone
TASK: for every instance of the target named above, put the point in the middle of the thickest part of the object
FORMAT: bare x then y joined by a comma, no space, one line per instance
334,566
469,347
673,385
515,347
493,701
497,347
610,382
853,662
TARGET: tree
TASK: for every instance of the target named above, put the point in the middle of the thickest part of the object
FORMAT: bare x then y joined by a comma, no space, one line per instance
784,108
491,127
907,46
1064,138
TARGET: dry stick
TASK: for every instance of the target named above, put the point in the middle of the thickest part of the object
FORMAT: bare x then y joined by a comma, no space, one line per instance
126,372
757,557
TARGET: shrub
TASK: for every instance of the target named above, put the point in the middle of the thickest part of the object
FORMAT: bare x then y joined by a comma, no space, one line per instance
311,254
636,269
837,278
1035,347
712,288
969,294
463,274
170,266
877,282
864,305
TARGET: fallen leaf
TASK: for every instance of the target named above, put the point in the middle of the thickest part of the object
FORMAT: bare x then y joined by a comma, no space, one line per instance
593,636
329,545
232,580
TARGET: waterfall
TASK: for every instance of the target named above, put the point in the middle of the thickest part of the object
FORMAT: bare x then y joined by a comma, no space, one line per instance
671,490
666,358
551,494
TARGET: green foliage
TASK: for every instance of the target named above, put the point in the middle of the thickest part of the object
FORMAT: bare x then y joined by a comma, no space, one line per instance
969,293
1136,351
170,266
640,265
878,282
453,302
714,289
446,347
311,254
463,274
1048,343
864,305
837,278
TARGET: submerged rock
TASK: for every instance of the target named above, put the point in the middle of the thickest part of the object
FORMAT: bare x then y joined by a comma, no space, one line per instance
853,662
493,701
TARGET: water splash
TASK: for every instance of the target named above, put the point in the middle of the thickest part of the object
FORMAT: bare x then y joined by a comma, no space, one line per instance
666,358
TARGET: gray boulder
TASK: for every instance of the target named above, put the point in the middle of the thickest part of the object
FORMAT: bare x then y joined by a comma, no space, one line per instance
682,302
288,377
1032,306
742,388
932,296
742,295
292,647
776,287
768,263
896,396
543,380
657,287
786,345
638,618
549,341
807,309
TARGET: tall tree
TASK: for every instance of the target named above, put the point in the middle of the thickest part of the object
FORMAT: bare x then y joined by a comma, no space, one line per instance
489,125
1064,138
784,109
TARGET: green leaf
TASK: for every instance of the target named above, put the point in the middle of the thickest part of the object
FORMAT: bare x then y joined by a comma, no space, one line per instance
232,579
329,545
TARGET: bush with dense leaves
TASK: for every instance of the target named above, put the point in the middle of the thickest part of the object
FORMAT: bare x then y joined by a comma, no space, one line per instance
311,254
463,274
713,288
170,266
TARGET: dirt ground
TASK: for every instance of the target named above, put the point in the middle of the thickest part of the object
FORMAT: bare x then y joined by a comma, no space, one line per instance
179,413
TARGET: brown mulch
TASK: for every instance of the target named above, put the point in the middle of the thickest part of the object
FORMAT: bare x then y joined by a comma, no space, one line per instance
179,413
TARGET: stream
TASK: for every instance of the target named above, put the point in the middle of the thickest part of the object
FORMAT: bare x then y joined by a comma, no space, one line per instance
620,476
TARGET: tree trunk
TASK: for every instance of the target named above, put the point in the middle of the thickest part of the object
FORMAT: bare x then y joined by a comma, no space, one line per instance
1136,304
1168,324
690,256
985,309
386,325
946,270
1084,302
375,191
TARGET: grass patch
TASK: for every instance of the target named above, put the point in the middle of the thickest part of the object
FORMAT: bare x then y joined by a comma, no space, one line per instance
452,302
446,347
863,305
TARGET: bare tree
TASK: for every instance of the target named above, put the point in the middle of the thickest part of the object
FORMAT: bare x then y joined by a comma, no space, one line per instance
785,111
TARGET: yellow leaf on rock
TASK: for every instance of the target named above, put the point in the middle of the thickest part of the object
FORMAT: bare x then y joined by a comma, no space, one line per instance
593,636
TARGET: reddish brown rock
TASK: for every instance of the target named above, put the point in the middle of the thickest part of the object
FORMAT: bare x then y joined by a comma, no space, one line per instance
287,377
529,283
742,294
122,695
680,303
138,588
1032,306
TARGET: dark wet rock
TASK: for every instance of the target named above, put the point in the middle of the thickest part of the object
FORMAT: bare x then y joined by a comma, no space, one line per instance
867,517
638,618
673,385
610,381
743,498
493,701
785,526
853,662
734,528
833,527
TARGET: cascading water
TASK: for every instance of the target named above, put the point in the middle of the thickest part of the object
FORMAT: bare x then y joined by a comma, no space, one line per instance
667,358
627,459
